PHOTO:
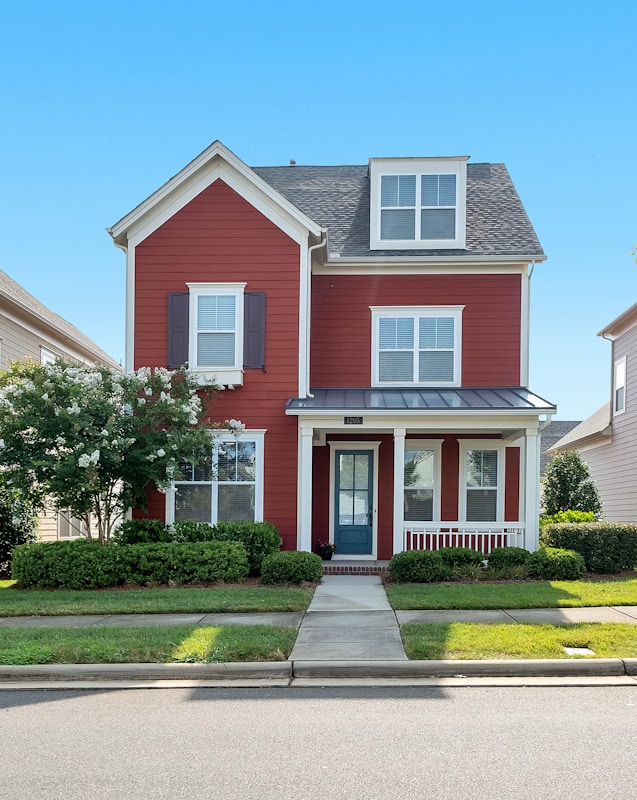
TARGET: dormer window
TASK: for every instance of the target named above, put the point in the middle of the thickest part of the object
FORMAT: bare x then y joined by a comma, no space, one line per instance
417,203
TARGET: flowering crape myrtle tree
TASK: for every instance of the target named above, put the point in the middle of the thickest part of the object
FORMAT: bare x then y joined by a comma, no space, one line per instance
92,440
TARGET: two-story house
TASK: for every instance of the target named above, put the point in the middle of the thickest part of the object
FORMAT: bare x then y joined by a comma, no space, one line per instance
370,327
31,331
607,440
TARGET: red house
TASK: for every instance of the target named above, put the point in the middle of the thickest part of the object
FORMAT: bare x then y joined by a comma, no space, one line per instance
369,325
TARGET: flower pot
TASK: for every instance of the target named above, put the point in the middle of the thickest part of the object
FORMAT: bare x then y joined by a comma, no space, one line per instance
326,556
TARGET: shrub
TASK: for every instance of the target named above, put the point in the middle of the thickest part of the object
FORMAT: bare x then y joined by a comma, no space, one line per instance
505,557
567,516
260,539
79,564
567,485
190,531
418,566
460,556
84,564
555,564
137,531
605,546
291,567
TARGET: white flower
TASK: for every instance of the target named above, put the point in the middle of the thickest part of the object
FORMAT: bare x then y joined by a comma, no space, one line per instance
161,452
2,444
148,391
45,396
84,460
141,401
74,408
60,441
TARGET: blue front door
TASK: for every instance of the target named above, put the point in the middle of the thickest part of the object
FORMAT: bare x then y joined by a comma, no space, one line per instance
354,502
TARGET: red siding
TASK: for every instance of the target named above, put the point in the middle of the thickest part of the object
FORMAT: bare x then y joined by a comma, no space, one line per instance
219,237
512,485
341,323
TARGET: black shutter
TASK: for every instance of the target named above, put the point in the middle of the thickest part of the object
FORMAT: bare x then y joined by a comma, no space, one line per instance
177,338
254,330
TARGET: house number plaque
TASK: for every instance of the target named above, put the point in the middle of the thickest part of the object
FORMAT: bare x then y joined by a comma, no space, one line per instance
352,420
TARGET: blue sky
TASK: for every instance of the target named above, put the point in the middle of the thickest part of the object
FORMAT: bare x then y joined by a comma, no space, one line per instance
103,103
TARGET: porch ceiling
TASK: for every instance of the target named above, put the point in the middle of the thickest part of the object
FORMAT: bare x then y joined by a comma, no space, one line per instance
461,399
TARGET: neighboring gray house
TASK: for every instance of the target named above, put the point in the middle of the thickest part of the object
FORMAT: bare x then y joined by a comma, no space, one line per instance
29,330
607,440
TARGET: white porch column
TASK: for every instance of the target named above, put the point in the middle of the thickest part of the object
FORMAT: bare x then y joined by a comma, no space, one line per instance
399,488
304,490
532,490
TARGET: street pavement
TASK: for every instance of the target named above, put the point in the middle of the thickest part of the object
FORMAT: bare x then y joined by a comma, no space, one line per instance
348,632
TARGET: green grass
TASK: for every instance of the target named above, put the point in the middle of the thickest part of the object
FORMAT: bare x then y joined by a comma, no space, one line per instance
160,645
529,594
458,640
21,602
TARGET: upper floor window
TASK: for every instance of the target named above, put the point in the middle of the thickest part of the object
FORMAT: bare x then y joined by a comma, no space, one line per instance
419,346
619,386
46,356
417,203
216,330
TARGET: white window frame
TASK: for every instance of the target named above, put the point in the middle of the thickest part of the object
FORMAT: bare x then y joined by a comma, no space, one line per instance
256,436
435,445
223,375
465,446
71,523
47,356
416,313
379,167
619,382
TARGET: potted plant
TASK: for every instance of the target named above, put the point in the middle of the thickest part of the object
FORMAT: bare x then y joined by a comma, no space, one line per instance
326,550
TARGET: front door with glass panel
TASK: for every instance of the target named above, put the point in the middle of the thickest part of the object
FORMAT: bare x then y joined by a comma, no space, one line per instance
354,502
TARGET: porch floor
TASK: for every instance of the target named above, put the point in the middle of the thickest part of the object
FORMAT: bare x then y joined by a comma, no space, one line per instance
343,566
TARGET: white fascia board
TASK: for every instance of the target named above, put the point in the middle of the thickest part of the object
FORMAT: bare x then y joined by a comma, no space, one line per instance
517,262
477,420
621,324
216,162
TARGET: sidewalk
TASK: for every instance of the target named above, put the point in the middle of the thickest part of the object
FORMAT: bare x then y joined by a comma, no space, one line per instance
349,632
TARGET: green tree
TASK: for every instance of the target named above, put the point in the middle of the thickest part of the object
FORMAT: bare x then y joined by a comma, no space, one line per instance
568,486
93,440
18,525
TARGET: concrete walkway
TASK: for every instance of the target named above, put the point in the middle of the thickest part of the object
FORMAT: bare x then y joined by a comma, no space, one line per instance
349,619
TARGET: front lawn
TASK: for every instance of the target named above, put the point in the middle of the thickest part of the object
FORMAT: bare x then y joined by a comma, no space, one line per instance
527,594
216,599
160,645
457,640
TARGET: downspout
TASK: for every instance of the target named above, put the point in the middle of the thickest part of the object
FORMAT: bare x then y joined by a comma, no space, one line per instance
308,301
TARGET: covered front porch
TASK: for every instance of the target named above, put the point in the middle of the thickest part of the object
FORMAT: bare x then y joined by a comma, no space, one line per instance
382,471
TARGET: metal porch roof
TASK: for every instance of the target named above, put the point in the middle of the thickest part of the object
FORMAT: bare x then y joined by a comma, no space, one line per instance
420,400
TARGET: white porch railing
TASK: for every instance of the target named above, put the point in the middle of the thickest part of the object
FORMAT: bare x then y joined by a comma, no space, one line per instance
481,536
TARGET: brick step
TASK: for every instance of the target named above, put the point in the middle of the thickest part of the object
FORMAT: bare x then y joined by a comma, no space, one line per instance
344,567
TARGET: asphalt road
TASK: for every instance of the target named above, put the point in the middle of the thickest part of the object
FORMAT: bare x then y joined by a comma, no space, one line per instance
297,744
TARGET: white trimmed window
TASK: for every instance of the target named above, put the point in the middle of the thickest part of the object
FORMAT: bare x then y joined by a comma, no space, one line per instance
418,203
225,485
422,480
47,356
216,330
482,480
416,346
70,527
619,386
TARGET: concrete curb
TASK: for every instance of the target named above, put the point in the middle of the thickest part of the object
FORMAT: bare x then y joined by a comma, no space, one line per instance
289,670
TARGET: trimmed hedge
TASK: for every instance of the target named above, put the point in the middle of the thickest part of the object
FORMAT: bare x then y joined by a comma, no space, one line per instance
259,538
84,564
506,557
291,566
606,546
419,566
555,564
567,516
460,557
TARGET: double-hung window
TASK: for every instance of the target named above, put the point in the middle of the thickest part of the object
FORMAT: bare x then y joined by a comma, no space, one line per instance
216,330
416,346
482,480
417,203
619,386
421,480
226,483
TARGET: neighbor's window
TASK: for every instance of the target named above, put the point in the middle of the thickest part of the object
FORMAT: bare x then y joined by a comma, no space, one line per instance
416,346
225,484
620,386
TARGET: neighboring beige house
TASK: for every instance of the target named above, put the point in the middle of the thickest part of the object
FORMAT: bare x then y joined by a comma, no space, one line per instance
607,440
29,330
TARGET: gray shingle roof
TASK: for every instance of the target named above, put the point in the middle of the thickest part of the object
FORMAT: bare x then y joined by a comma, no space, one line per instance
337,198
12,292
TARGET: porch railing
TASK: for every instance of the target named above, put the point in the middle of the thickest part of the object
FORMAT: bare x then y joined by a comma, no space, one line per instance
481,536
